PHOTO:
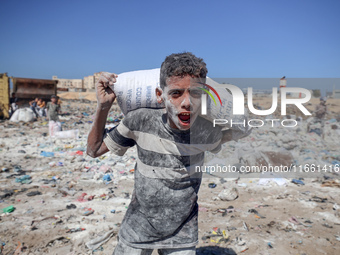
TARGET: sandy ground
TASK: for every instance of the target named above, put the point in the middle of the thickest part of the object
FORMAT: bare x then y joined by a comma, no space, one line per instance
91,96
269,216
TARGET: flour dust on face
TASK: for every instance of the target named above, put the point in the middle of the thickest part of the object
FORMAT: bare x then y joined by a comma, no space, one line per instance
182,99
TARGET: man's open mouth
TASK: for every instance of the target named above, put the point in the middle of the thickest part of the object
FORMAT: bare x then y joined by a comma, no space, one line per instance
184,118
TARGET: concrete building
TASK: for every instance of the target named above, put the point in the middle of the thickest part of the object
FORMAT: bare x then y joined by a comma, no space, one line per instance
89,83
336,93
70,84
86,84
96,77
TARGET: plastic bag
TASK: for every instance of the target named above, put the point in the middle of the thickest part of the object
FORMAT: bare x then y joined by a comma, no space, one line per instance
54,127
8,209
67,134
24,114
137,89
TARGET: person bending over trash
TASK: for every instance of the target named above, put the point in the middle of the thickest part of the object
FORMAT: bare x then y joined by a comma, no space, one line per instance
170,143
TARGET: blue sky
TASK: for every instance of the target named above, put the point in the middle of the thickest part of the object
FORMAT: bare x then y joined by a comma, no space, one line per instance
73,39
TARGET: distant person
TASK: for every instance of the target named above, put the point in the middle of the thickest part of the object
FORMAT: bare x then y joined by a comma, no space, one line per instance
41,105
53,109
13,103
318,122
33,106
321,110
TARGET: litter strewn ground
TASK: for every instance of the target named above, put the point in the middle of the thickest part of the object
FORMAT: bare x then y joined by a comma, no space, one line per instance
56,200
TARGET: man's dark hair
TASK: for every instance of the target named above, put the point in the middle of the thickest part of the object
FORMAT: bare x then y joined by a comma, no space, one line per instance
181,64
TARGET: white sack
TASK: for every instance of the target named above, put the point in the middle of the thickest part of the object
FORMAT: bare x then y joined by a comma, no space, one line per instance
137,89
74,134
54,127
24,114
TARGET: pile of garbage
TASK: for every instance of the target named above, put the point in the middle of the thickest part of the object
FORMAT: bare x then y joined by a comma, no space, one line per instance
54,199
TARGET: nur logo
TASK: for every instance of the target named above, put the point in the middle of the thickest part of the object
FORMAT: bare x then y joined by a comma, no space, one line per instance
237,98
204,98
